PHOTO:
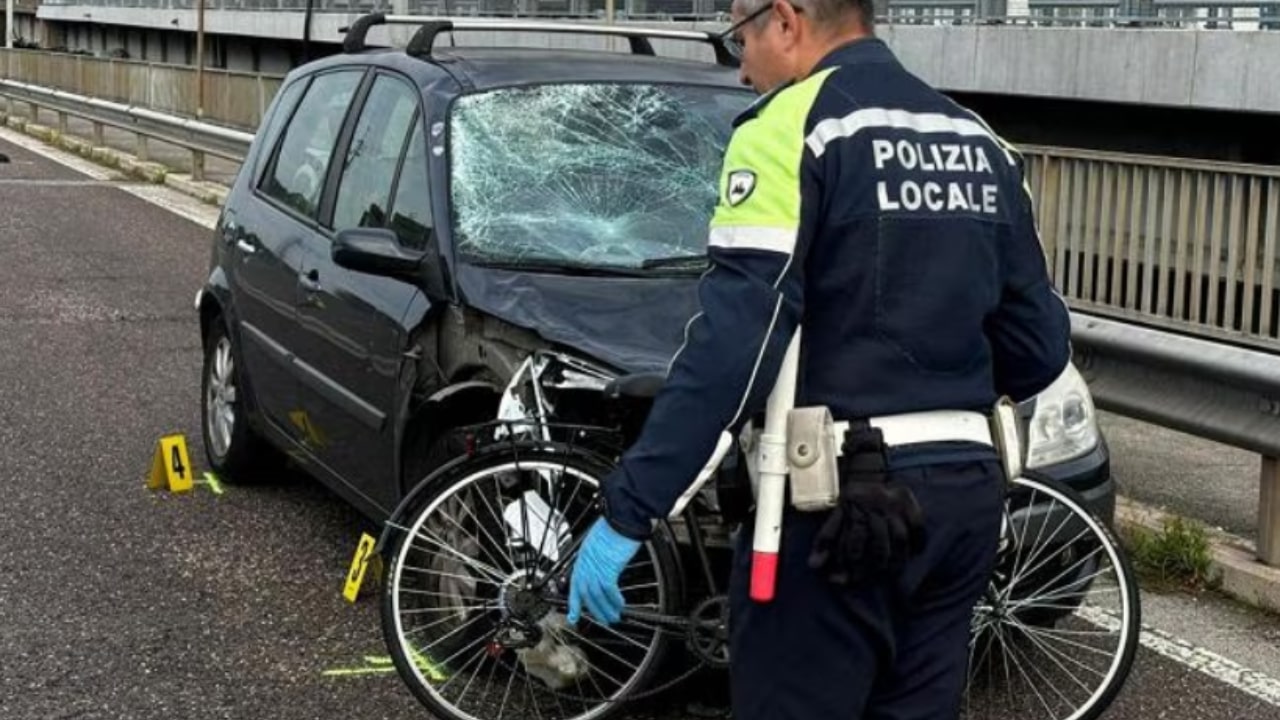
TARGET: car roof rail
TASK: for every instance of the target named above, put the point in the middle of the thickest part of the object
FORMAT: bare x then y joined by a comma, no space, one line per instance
430,27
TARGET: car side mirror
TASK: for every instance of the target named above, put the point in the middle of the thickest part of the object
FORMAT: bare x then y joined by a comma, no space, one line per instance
377,251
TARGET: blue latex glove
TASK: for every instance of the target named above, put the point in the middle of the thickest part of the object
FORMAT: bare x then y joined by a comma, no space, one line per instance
601,559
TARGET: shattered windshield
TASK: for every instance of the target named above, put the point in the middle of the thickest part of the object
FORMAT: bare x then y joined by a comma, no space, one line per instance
598,175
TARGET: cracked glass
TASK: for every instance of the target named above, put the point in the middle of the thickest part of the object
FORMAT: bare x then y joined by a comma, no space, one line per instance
601,175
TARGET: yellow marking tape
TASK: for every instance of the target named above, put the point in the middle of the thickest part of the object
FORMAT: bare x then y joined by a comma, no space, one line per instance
380,664
212,481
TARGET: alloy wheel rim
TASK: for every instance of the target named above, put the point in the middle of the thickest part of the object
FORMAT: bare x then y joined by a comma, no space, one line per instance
220,413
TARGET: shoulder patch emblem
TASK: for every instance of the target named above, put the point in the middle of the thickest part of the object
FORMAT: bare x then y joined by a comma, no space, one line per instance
741,184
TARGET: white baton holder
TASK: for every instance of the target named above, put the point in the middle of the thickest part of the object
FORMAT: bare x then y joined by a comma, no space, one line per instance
1007,438
771,494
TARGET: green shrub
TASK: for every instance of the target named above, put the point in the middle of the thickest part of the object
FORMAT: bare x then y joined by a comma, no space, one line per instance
1177,554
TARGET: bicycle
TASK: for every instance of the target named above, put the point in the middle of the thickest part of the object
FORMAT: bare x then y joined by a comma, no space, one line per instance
476,585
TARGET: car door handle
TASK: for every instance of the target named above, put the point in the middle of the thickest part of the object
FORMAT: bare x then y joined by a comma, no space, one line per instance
246,247
311,282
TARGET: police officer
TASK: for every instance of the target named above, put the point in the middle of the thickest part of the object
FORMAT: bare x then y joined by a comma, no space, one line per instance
894,226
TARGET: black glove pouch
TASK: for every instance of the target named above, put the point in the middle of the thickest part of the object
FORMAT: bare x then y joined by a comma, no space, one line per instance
875,527
734,498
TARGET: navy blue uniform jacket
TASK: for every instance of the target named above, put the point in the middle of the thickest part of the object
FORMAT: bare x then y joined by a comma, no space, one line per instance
897,229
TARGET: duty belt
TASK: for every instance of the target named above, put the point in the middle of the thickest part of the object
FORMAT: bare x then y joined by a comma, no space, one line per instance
929,426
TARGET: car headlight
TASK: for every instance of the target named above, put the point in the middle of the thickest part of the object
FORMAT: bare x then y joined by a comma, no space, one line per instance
1064,424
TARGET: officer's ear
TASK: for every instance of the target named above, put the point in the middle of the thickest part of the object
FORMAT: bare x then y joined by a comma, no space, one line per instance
789,17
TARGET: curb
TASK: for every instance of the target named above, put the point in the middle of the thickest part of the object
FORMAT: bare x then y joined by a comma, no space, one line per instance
1234,565
151,172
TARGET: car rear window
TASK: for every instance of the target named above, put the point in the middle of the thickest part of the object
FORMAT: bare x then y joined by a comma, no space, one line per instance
601,174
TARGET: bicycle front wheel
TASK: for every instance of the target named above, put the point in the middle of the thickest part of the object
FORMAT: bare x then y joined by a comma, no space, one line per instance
1056,634
474,603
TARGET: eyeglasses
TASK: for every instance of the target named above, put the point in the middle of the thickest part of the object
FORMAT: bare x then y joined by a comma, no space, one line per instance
732,37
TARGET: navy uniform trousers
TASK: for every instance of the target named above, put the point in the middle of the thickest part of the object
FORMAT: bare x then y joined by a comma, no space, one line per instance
897,650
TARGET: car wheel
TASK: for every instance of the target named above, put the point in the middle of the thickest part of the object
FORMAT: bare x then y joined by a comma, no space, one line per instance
234,451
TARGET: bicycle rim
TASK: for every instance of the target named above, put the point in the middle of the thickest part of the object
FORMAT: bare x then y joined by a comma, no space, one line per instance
1055,636
468,570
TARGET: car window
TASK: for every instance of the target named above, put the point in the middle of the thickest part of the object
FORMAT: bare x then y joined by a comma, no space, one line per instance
603,174
364,193
411,210
297,175
280,113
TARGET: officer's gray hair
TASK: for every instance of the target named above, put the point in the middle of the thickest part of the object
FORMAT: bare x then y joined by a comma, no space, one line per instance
825,12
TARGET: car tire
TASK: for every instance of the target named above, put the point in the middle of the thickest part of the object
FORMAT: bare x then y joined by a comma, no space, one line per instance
233,449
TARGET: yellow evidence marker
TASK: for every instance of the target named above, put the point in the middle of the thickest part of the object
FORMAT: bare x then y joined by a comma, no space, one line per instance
359,563
171,467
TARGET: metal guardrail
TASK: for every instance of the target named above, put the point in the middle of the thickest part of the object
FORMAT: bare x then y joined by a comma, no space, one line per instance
200,138
1119,235
1211,390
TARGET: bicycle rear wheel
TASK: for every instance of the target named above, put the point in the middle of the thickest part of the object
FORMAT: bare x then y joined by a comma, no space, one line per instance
1056,634
474,603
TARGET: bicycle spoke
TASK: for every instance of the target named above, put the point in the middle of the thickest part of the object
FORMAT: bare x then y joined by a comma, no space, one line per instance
506,695
570,631
477,540
431,593
528,686
493,573
1073,643
1054,655
428,571
485,529
546,527
1027,678
1081,582
480,656
1017,556
479,653
608,629
1036,669
497,516
462,608
1074,565
448,635
638,587
1039,548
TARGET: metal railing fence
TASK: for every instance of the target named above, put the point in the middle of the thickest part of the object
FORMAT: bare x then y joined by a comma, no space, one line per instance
1209,14
234,99
1182,244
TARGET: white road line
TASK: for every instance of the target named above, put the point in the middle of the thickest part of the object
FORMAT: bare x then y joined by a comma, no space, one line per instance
159,195
1197,658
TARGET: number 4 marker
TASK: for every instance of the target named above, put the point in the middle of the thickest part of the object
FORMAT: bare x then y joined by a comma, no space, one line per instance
171,466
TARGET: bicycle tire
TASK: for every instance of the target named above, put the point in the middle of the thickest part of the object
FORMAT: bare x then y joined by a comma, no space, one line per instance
449,481
1128,617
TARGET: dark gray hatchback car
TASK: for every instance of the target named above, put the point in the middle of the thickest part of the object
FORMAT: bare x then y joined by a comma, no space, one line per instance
409,226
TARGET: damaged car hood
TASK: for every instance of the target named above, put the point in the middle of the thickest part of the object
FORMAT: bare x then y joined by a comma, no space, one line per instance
632,324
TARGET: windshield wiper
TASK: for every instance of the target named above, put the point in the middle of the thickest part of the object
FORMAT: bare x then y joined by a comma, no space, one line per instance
567,267
675,261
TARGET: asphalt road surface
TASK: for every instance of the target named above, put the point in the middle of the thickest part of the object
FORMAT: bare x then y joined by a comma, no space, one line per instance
119,602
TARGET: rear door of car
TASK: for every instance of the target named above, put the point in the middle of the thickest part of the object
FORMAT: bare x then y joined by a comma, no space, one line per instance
352,342
266,234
